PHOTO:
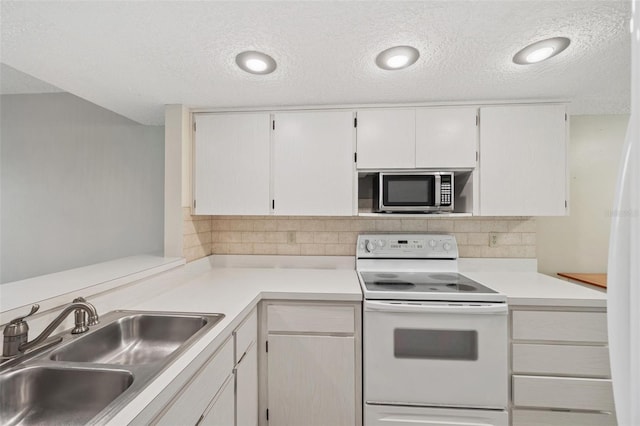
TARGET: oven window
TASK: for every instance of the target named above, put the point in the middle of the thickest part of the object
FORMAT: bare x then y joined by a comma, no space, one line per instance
408,190
435,344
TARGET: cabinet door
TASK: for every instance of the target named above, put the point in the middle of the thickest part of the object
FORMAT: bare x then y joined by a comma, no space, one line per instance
231,160
221,412
247,389
201,390
446,137
386,139
313,163
311,380
523,163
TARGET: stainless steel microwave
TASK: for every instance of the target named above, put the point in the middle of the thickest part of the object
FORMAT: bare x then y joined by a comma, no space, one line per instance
419,192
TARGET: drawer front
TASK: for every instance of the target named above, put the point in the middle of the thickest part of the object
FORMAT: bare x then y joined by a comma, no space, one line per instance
566,360
311,318
560,326
194,398
558,418
246,334
563,392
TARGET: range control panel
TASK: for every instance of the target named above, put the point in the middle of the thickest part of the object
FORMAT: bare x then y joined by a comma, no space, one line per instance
407,246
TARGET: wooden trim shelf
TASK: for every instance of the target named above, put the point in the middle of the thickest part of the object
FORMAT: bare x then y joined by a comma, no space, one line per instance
598,280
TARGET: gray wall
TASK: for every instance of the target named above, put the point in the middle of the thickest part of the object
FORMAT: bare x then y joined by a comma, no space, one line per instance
79,185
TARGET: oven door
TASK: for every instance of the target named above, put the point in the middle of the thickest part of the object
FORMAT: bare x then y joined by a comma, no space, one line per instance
436,354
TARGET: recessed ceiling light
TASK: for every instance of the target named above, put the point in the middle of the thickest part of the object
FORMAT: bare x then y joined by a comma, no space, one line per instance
541,50
398,57
256,62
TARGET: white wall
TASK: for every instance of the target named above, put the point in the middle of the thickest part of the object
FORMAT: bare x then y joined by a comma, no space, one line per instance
580,242
80,185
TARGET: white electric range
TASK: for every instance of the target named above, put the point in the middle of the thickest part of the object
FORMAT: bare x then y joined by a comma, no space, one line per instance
434,341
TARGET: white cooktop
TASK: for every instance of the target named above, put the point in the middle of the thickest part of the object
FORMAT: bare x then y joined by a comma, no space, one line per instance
416,267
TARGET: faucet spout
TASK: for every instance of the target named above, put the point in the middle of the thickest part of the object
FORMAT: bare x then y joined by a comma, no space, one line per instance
85,315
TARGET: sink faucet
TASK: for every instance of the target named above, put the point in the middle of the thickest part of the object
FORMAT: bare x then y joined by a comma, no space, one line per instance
16,333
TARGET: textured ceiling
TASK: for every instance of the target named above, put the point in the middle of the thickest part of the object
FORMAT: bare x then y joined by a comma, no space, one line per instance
133,57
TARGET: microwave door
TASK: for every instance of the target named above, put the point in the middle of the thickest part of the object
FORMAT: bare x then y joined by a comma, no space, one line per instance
408,192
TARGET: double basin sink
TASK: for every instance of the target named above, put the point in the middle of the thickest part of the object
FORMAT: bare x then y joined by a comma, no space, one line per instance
87,378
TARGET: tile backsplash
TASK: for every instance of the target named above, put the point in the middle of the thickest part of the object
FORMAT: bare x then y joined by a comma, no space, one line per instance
336,236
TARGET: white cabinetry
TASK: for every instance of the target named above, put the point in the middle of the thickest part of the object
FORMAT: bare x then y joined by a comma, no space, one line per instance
446,137
560,367
201,396
433,137
220,412
313,168
224,392
386,138
246,371
231,164
313,364
523,160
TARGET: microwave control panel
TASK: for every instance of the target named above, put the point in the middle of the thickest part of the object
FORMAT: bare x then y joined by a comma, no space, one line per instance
421,246
445,190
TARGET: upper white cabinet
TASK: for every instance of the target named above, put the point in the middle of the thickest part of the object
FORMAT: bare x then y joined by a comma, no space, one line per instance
313,172
446,137
401,138
386,138
523,160
231,163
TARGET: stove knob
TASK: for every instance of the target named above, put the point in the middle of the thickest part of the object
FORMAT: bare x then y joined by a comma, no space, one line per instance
432,243
370,246
446,246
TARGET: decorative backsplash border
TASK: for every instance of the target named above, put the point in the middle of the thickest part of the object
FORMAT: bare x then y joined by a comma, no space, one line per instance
515,237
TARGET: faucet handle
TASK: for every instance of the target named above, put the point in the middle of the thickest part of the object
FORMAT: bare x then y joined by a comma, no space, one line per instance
34,309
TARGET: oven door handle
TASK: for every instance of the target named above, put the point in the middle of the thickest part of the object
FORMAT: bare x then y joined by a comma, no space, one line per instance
440,308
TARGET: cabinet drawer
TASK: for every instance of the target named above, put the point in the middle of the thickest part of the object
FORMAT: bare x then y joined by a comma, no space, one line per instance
246,334
560,326
311,318
563,392
194,398
561,359
558,418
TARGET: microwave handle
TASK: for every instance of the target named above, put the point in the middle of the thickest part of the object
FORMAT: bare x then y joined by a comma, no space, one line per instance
426,307
437,197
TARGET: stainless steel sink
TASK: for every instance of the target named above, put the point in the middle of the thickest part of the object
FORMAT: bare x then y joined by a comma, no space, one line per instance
89,377
134,339
45,395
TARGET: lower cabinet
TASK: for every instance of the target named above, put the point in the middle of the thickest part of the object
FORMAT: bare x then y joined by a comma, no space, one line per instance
224,392
221,410
313,367
560,368
247,389
205,393
246,371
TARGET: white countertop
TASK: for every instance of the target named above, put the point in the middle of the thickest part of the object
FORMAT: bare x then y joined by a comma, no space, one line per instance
204,286
235,292
535,289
